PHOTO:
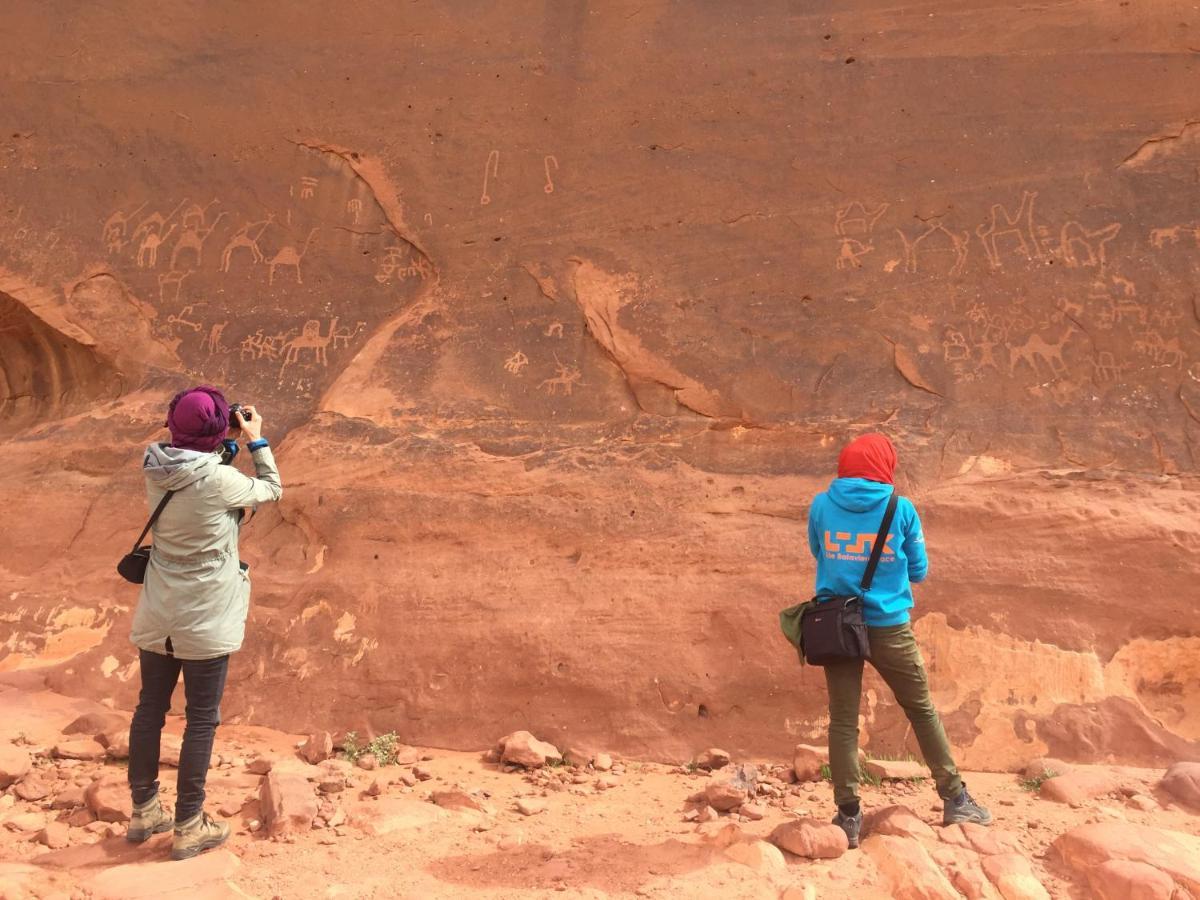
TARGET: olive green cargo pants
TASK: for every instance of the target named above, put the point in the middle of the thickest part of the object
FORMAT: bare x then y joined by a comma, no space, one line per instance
895,655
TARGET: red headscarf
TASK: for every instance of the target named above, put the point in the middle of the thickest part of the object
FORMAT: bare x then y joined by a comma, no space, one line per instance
870,456
198,419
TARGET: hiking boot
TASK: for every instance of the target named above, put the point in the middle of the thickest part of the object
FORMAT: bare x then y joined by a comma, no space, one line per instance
199,833
963,808
147,820
852,825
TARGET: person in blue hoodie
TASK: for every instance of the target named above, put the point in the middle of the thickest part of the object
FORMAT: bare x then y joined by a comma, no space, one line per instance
843,524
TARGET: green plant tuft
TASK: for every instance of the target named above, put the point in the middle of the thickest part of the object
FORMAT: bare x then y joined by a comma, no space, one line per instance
1035,784
383,748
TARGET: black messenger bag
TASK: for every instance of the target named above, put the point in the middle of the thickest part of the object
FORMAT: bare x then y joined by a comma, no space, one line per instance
832,629
132,566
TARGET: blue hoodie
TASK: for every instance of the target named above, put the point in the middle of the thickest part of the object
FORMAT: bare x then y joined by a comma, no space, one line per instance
842,525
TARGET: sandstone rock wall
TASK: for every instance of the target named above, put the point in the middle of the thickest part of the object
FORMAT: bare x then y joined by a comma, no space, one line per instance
559,314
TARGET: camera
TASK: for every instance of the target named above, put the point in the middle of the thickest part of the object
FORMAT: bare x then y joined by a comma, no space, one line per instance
236,409
229,448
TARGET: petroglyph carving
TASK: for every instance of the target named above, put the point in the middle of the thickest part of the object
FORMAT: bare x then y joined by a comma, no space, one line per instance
264,346
1161,237
147,255
554,329
955,347
1128,288
182,319
288,255
566,379
1116,310
242,239
196,217
114,232
936,233
549,188
212,343
1069,308
1018,225
397,263
154,224
1037,349
193,239
310,338
1105,368
174,277
345,335
1165,317
354,210
492,167
1161,351
854,224
516,363
1076,238
308,187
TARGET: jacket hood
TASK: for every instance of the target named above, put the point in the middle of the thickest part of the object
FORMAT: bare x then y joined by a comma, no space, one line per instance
858,494
172,468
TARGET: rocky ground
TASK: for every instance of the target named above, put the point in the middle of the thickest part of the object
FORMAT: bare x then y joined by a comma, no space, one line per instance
525,819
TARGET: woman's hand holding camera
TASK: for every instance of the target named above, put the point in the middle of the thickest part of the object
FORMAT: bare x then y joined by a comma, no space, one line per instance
250,422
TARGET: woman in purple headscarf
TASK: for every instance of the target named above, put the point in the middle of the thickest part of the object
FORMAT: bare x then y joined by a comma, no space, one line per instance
191,614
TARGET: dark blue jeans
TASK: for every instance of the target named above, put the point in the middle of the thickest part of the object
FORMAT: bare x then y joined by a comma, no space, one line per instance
203,685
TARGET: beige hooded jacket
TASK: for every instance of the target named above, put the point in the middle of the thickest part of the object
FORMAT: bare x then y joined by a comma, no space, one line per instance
196,593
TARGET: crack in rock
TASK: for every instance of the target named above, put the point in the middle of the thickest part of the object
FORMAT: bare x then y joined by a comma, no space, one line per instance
1161,145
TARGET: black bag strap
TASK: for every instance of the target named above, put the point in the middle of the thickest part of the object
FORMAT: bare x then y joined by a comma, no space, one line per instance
162,504
880,540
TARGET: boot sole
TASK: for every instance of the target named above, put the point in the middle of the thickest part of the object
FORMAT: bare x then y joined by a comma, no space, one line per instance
210,844
965,820
144,834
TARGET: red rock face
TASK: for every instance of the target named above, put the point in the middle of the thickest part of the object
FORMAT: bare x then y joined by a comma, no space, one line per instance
558,316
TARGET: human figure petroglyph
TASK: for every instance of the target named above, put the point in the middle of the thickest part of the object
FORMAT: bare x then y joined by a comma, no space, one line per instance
492,166
182,319
154,224
174,277
546,160
397,263
1036,348
212,343
308,187
1075,238
242,239
193,239
515,363
854,224
264,346
310,338
567,378
114,232
288,255
1165,317
959,245
1018,225
147,255
345,336
354,210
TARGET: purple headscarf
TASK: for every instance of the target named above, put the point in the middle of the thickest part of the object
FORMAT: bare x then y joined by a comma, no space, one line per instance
198,419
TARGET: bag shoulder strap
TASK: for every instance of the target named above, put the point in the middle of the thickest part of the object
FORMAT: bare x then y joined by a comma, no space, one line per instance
162,504
880,540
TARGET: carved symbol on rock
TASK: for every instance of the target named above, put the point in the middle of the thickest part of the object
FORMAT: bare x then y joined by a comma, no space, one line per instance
196,216
1075,238
308,186
549,188
566,379
147,255
515,363
1037,349
855,224
193,239
955,347
288,255
1160,237
936,232
242,239
354,209
212,343
1105,367
310,338
114,230
492,167
259,345
1004,225
1161,352
554,329
182,319
345,336
173,277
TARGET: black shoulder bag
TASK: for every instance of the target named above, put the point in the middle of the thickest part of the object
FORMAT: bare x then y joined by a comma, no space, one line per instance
132,566
831,629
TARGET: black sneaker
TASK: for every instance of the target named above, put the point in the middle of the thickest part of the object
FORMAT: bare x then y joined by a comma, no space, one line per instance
852,825
963,808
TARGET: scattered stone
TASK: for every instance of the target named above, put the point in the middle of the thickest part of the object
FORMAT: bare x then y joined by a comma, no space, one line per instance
707,814
522,749
421,773
337,819
603,762
15,764
259,766
1123,879
32,788
317,748
55,835
1143,802
30,822
116,745
896,769
287,803
229,809
759,856
332,785
367,762
69,797
1182,783
531,806
81,818
408,756
86,749
461,800
576,756
909,871
255,826
607,782
375,789
1013,877
1080,786
1171,852
408,779
712,758
1045,767
811,839
97,723
727,794
108,798
807,762
752,811
692,815
899,821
